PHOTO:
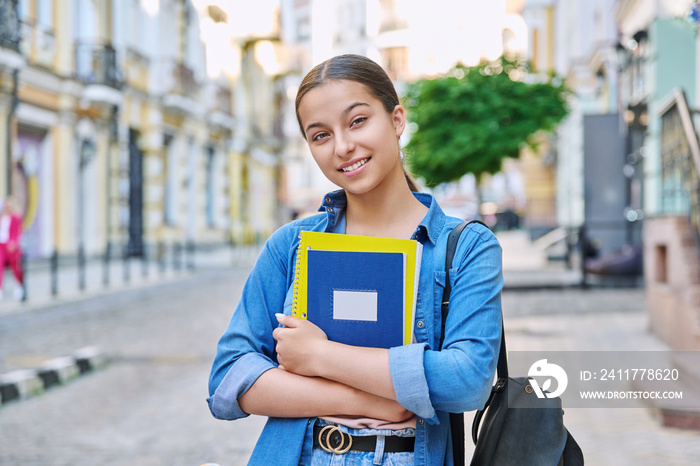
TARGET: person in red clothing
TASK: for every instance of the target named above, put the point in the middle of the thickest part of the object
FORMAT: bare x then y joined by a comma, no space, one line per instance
10,251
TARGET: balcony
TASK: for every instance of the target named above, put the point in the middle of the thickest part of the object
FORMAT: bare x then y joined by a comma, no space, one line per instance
96,67
10,35
220,107
181,89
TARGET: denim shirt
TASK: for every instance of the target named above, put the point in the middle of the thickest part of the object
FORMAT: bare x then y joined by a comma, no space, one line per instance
428,382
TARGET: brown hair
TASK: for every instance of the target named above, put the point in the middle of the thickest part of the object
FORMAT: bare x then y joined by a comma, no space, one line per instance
355,68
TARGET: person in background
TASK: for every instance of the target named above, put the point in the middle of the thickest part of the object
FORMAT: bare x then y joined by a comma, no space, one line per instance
10,250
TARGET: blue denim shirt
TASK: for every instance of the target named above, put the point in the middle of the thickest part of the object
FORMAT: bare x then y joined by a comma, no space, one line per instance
428,382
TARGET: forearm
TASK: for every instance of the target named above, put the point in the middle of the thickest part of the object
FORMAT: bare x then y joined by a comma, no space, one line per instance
279,393
303,348
366,369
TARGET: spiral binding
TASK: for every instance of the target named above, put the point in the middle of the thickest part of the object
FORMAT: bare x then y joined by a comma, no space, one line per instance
295,293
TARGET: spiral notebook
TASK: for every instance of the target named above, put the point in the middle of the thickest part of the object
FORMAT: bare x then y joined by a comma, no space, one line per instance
360,290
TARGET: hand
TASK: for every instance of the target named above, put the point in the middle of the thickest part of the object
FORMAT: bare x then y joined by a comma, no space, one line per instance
299,345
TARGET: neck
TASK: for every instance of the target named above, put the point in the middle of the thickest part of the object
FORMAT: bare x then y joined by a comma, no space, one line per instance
389,211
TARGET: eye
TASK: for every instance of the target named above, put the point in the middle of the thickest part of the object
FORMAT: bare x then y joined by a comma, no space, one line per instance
319,136
358,121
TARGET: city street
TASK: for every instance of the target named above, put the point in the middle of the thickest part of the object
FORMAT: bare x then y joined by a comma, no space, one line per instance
147,406
148,148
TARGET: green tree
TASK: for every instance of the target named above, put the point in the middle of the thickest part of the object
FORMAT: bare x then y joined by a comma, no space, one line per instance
470,119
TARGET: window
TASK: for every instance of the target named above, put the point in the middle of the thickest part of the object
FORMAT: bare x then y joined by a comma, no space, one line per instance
170,203
44,13
211,187
661,264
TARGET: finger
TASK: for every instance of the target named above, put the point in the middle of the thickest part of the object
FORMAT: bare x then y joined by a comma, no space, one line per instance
287,321
278,333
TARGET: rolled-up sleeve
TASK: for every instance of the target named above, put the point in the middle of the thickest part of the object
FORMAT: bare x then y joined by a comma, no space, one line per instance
224,403
410,384
457,378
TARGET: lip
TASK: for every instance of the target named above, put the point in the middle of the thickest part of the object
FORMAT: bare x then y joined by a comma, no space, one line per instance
353,162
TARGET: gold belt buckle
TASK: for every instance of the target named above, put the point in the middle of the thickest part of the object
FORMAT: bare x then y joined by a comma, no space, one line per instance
324,439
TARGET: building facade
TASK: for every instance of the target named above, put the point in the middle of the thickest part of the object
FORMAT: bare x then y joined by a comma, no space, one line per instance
117,137
627,157
660,89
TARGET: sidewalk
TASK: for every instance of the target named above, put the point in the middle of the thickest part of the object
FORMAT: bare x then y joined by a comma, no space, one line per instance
599,319
122,276
524,268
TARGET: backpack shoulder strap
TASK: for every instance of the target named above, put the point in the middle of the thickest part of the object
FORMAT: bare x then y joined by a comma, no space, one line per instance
456,419
452,242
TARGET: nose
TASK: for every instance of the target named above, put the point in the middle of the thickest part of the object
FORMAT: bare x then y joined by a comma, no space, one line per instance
344,144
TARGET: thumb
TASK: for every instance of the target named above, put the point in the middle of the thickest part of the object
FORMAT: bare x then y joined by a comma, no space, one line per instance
287,321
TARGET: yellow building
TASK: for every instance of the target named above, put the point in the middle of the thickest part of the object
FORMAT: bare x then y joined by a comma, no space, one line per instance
11,61
121,140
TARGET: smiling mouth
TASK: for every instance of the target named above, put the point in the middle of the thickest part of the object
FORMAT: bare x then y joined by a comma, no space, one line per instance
355,165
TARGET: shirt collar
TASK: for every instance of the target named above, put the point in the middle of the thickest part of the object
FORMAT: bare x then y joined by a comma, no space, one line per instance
429,228
433,222
333,204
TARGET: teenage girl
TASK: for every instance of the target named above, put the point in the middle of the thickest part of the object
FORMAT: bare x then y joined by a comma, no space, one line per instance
329,403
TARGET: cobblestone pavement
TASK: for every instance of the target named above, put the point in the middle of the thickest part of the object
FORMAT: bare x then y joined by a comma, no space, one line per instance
599,320
147,406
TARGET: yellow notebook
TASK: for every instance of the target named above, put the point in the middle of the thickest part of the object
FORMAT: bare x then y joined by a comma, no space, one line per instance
379,272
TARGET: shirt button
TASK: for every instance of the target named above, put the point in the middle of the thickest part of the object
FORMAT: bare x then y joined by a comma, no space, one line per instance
330,210
420,324
420,421
328,199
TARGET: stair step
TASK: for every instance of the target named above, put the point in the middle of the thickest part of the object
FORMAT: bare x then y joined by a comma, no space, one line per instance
682,413
680,419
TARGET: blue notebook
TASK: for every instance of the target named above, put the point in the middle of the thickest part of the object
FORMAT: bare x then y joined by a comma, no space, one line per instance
357,298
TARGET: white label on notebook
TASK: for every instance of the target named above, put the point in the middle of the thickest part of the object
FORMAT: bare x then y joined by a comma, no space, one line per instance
355,305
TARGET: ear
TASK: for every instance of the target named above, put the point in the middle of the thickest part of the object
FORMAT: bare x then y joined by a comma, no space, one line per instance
399,118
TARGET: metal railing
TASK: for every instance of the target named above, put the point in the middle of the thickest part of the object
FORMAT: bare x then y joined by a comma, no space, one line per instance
223,100
97,64
10,25
61,275
183,81
588,262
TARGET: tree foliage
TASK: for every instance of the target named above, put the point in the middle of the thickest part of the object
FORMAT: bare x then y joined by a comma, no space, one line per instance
470,119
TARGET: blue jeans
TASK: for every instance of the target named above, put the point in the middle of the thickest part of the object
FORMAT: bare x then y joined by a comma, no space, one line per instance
321,457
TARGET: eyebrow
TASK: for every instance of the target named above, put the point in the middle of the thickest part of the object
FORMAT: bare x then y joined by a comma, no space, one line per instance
344,113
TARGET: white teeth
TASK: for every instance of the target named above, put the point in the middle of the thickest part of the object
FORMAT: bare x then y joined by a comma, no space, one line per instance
355,166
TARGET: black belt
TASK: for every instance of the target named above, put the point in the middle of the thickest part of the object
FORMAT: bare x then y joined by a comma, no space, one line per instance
333,440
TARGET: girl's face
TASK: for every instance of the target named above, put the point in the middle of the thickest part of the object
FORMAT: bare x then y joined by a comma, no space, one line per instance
352,138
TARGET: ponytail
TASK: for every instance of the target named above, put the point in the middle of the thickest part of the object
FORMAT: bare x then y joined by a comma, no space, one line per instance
411,181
